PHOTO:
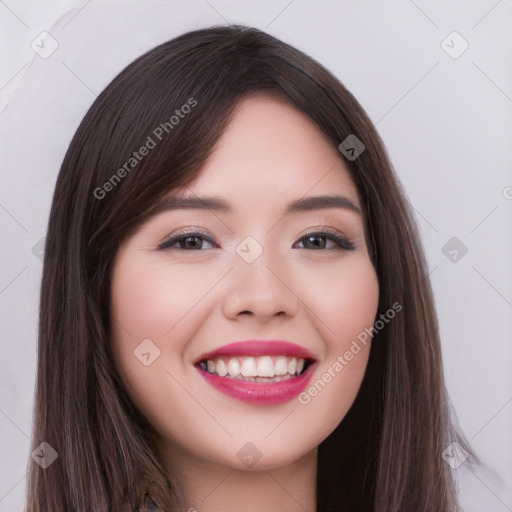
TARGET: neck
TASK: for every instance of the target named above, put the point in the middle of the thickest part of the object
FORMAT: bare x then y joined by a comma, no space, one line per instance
205,487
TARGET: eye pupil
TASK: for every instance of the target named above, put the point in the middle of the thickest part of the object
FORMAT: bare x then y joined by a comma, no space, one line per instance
311,239
194,242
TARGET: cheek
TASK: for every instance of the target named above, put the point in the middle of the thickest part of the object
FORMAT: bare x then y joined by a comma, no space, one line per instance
150,303
357,299
149,307
344,299
345,304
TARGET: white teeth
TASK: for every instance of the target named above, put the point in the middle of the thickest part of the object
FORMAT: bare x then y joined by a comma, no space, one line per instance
248,367
221,368
256,369
281,366
233,367
265,367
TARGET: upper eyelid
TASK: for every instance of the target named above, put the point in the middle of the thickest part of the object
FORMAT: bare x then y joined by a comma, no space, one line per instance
184,232
192,230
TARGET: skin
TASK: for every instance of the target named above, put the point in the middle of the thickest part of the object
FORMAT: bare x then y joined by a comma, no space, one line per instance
192,301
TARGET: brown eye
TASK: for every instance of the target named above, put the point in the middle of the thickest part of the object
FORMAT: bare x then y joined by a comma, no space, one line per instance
186,242
315,242
319,240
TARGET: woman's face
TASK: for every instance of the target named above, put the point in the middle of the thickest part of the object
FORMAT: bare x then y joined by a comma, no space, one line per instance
285,278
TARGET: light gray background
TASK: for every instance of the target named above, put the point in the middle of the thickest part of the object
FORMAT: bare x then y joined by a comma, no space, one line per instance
446,122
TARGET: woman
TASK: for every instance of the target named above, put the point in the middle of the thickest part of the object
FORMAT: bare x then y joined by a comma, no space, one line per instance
235,298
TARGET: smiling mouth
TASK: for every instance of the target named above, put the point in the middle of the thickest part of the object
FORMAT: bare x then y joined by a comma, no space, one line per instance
261,369
259,372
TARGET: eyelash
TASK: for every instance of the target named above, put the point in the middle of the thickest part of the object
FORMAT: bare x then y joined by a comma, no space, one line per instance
342,242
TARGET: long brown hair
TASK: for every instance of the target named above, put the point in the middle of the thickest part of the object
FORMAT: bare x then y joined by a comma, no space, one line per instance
386,454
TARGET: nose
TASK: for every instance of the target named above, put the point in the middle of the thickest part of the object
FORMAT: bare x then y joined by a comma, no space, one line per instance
261,289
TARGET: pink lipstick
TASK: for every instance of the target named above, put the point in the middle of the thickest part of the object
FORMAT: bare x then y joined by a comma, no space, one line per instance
261,372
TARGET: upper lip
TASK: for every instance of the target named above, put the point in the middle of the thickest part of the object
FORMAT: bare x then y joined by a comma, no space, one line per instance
259,348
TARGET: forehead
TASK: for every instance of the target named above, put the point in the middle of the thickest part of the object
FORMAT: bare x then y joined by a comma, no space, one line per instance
272,151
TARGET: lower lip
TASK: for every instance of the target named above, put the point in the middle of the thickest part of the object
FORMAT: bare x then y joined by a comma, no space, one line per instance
260,393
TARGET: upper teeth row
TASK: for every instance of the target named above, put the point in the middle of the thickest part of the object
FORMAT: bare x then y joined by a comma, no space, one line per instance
264,366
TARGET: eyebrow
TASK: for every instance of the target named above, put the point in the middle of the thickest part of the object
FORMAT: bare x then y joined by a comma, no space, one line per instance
216,204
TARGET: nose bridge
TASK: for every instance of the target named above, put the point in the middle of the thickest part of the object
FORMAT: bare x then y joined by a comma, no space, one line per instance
258,284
